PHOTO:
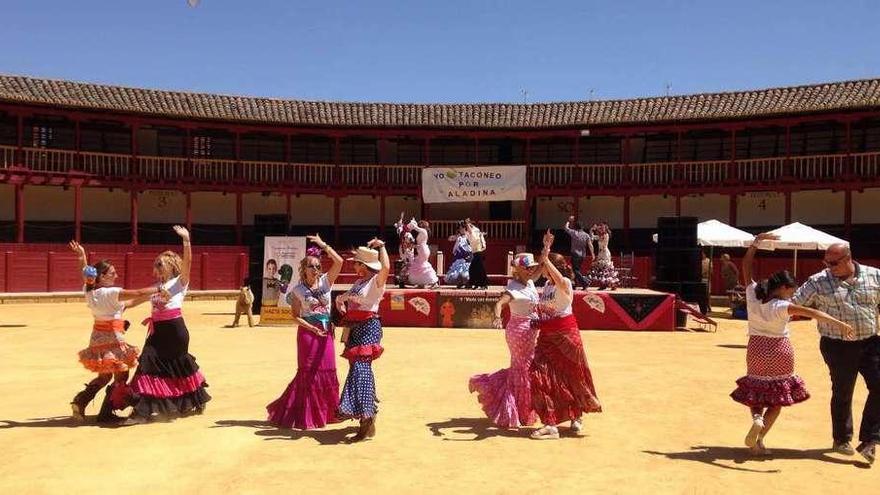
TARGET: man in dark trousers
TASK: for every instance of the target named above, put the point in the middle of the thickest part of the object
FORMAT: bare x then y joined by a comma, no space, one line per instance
849,292
581,242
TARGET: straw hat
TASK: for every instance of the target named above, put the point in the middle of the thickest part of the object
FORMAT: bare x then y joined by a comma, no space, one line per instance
524,260
367,256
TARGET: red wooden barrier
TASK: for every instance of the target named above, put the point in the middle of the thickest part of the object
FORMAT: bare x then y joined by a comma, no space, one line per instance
53,268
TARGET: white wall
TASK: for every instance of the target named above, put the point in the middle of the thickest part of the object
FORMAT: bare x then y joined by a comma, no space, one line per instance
48,203
607,209
258,204
213,208
458,211
410,205
822,207
311,209
760,209
7,202
359,210
706,207
161,206
101,205
552,212
866,206
644,210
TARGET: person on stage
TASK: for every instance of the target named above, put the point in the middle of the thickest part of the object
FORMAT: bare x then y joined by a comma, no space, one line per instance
168,381
505,395
457,274
771,383
561,381
477,278
360,310
108,354
581,242
602,272
310,400
419,272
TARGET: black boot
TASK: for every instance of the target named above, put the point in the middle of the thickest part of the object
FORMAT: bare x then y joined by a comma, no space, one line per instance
82,399
105,415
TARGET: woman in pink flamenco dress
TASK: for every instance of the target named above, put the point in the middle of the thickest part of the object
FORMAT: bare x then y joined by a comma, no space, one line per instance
506,396
310,400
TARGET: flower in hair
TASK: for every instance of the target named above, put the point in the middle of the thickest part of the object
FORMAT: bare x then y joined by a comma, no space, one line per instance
314,251
90,273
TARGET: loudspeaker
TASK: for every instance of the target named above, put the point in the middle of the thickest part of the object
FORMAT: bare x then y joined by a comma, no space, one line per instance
676,232
678,264
692,292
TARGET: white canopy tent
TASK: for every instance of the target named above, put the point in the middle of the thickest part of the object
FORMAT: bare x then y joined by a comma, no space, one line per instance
797,236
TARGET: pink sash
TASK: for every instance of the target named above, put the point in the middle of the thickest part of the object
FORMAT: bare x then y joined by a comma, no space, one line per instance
164,315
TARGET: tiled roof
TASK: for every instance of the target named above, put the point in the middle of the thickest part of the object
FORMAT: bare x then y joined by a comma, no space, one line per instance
836,96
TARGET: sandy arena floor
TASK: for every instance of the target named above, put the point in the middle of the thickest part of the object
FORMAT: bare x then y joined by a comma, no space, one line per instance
668,426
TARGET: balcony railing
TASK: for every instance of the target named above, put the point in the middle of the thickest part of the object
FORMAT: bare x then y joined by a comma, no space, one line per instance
493,229
562,177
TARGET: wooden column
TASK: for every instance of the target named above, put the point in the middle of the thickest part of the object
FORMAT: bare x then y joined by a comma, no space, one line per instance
19,213
77,213
787,207
134,218
626,215
239,236
188,218
336,232
732,212
289,210
381,215
847,213
678,205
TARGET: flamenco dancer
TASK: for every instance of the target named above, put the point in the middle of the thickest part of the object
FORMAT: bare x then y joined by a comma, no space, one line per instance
360,309
310,400
419,272
505,395
457,274
168,380
771,383
108,354
602,272
562,385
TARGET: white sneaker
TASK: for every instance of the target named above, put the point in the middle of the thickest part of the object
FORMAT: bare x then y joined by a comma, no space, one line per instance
577,425
755,430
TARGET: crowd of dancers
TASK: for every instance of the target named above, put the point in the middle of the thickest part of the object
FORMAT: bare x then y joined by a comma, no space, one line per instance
548,379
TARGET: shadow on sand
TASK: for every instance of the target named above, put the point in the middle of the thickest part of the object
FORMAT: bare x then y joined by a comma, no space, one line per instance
481,429
721,456
271,432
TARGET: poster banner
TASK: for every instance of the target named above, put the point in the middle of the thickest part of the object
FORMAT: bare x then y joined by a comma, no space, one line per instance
281,257
461,309
462,184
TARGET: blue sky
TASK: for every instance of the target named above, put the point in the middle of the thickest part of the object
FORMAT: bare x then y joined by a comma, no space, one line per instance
442,51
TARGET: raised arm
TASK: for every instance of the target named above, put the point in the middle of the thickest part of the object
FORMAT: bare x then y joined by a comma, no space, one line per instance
553,272
499,306
146,292
749,258
187,254
80,254
382,276
567,226
845,328
336,268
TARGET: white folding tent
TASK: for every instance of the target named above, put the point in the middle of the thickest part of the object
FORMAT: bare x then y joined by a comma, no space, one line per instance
797,236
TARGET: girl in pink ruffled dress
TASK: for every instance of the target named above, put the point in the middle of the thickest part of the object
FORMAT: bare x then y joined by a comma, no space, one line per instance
771,383
506,396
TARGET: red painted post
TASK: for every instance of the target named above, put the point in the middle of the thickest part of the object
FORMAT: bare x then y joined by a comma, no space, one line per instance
203,271
678,205
49,262
77,213
626,200
238,219
847,213
135,166
134,218
732,210
128,269
7,279
336,220
19,213
787,207
242,268
732,175
188,211
381,215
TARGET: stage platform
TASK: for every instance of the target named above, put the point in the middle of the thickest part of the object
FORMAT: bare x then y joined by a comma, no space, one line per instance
622,309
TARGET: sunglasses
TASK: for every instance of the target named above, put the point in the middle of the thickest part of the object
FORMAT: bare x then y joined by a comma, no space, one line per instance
834,263
314,267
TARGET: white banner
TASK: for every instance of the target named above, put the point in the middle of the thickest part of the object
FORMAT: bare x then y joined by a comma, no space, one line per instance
460,184
281,257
